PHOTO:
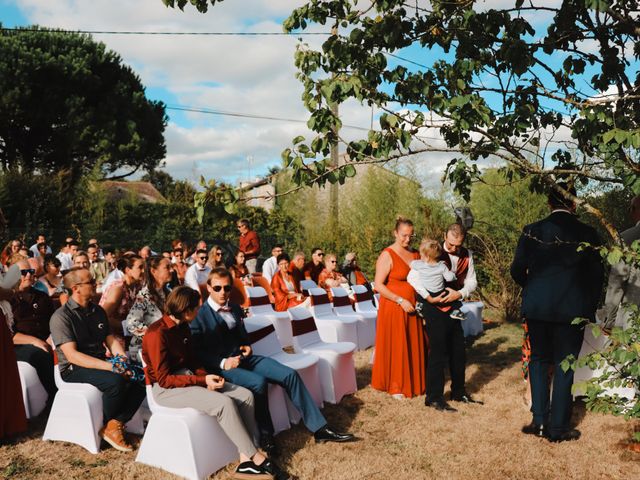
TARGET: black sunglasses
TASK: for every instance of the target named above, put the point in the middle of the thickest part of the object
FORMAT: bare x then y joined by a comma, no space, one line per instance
203,258
24,272
217,288
320,254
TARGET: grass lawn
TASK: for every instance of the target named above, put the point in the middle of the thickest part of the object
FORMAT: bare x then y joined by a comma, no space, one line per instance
400,439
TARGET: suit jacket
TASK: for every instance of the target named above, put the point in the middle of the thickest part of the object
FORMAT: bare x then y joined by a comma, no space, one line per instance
623,286
212,338
558,282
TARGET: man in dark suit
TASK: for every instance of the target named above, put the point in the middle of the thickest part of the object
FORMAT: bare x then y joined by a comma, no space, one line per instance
559,284
222,345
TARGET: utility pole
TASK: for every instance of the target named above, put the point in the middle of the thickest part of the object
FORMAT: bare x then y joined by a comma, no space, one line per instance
335,160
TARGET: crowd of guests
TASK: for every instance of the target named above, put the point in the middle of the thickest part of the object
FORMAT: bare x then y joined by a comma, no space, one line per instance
103,313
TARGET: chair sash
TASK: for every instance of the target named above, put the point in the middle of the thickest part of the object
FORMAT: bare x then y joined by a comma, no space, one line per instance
320,299
257,335
259,301
300,327
341,301
364,297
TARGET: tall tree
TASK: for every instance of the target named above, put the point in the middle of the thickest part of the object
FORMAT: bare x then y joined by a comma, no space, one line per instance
506,83
67,103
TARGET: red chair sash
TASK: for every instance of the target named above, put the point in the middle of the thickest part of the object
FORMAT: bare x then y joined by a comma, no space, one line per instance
300,327
261,333
363,297
319,299
341,301
258,301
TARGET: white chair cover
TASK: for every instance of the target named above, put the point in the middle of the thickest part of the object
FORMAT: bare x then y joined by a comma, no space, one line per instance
259,305
33,393
366,321
472,326
331,328
336,366
364,304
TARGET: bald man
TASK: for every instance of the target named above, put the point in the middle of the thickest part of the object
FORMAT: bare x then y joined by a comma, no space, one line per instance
624,280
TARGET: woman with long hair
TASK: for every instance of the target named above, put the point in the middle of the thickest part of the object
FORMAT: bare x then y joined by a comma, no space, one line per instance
215,257
149,303
284,288
9,250
239,269
49,283
119,295
398,365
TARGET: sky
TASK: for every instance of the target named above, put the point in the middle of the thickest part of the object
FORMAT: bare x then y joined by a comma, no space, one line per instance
246,75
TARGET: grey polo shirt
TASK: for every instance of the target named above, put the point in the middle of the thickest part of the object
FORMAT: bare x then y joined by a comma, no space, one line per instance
88,327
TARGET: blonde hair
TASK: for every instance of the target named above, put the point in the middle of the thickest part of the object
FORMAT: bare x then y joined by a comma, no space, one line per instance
430,248
400,220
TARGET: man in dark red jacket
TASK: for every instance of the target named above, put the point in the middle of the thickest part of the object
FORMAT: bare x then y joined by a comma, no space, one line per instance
249,244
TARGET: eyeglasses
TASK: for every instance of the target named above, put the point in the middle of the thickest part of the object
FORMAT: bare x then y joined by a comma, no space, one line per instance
90,282
217,288
320,254
27,271
218,254
332,261
203,258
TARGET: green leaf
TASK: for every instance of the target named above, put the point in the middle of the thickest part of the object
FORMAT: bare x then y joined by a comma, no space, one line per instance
350,170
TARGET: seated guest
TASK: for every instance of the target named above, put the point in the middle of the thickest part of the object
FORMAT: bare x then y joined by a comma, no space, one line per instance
222,346
239,269
179,381
270,265
149,303
33,261
216,257
81,259
12,415
196,276
313,269
351,271
110,258
284,287
41,242
201,245
99,268
119,295
296,269
145,252
179,266
330,277
50,282
9,250
66,254
32,310
80,331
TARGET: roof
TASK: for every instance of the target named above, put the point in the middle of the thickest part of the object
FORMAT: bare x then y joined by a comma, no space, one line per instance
143,191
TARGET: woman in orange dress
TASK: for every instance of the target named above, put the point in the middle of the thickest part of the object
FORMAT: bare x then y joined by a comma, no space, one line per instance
398,365
284,288
330,276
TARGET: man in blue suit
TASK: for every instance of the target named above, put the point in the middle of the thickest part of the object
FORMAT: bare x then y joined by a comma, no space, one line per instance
222,345
559,283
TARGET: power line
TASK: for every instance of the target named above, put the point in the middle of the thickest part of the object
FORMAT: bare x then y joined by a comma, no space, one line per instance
158,33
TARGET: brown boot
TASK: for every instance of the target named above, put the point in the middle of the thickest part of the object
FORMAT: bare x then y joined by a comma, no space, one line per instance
113,434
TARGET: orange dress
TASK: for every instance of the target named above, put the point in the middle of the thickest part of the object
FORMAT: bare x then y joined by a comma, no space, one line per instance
398,364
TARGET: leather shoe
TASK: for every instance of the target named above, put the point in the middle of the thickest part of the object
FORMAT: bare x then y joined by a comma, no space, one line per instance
466,398
535,429
566,436
268,444
325,434
440,405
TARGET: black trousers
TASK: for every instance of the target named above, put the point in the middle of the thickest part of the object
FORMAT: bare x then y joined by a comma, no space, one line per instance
446,346
552,342
43,363
121,398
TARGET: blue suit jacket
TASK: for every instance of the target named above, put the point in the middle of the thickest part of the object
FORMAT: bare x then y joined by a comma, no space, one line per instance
212,338
558,282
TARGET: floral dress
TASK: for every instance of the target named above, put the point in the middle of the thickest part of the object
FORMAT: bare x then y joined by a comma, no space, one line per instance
143,313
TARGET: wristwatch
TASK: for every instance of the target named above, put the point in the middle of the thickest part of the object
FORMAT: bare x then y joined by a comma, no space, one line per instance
399,300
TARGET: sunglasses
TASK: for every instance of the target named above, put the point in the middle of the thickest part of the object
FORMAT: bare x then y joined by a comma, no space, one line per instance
217,288
320,254
203,258
26,271
333,261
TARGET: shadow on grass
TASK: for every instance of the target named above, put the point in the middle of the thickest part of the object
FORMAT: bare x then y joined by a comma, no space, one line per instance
491,360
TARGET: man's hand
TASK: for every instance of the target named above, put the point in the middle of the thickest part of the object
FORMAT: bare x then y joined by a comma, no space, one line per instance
232,362
451,296
245,350
214,382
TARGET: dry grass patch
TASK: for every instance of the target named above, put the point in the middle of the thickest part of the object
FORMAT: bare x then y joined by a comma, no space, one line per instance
399,439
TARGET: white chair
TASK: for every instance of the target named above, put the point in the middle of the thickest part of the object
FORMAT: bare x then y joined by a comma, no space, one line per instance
264,342
331,327
259,305
76,415
33,393
185,442
366,326
336,365
364,300
472,326
306,285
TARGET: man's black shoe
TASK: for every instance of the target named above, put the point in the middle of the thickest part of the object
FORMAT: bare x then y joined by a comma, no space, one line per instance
535,429
325,434
440,405
466,398
250,471
277,472
566,436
